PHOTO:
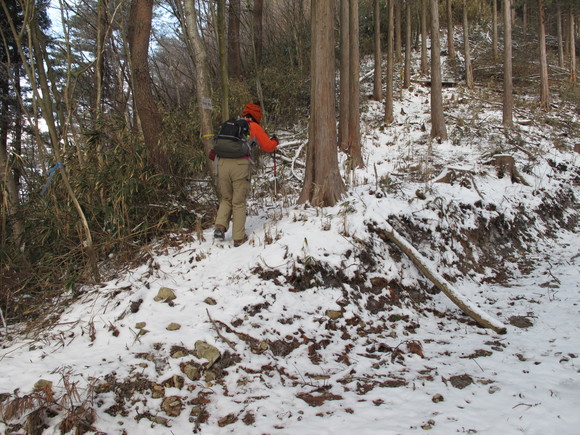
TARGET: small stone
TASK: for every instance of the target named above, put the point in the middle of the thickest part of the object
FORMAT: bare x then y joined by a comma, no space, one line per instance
333,314
191,372
207,351
165,294
140,325
172,406
173,326
210,301
461,381
437,398
157,391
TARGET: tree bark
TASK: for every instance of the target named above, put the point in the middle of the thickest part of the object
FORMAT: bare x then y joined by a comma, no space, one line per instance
397,37
354,145
438,129
572,45
424,68
407,75
258,30
468,66
139,32
323,185
344,76
223,55
203,92
494,38
389,116
378,75
560,36
508,99
544,83
450,40
234,48
388,233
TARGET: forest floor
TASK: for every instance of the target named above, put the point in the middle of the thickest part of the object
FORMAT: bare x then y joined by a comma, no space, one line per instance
318,325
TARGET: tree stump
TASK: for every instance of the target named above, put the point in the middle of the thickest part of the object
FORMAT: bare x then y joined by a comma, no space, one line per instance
506,165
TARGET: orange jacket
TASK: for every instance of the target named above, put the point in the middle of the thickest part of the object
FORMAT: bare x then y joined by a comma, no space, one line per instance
258,134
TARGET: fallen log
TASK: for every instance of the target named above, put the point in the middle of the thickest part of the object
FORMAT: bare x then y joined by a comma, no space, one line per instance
388,232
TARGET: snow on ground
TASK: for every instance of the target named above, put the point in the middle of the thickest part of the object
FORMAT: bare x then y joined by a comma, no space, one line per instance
324,328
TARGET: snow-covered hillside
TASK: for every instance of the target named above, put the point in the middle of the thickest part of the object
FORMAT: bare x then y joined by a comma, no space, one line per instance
318,324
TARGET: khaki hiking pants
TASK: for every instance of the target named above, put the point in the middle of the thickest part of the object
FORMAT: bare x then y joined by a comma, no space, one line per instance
233,186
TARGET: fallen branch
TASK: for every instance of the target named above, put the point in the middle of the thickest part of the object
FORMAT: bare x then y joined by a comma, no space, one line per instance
468,307
217,330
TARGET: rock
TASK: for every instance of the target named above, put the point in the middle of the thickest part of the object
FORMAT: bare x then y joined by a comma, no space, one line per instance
192,372
172,406
228,419
173,326
157,391
210,301
333,314
206,351
140,325
461,381
165,294
437,398
520,322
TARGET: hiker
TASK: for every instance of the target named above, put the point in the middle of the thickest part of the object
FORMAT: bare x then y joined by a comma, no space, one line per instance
233,174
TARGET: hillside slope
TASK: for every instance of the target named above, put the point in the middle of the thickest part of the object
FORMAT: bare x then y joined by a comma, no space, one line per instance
318,325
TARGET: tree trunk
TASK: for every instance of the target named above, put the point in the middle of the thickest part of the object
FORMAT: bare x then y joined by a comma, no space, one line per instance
223,56
139,32
494,38
508,99
378,76
544,84
468,66
234,49
407,76
525,17
323,185
560,36
388,233
424,68
397,36
354,145
438,129
450,40
258,30
344,76
204,101
11,201
572,46
389,116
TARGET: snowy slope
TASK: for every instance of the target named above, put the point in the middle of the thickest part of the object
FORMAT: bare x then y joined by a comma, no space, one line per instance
321,326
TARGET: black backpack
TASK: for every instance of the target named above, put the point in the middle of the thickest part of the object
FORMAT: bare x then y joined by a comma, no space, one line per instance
233,139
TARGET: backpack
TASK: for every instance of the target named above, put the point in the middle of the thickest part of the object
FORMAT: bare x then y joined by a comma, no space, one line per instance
232,140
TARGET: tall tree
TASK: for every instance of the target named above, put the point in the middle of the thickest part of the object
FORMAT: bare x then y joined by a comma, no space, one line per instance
258,27
560,36
438,128
202,78
572,38
467,48
398,27
323,185
234,45
494,32
544,83
354,146
378,74
408,36
508,99
223,55
423,36
450,40
139,32
345,76
389,116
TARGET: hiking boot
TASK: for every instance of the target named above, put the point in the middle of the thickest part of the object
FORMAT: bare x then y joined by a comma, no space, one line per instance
219,233
240,242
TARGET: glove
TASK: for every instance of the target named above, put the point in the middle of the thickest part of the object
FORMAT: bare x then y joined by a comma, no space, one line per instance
274,138
212,154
